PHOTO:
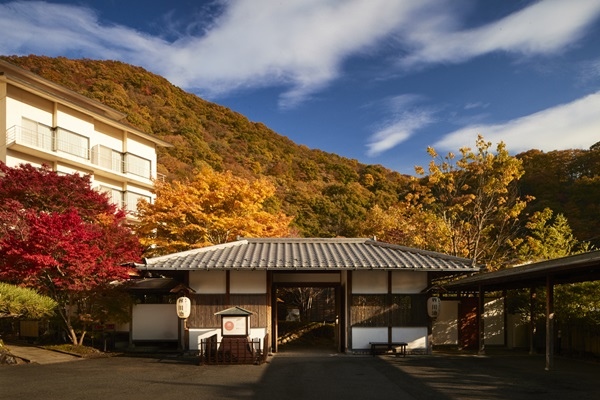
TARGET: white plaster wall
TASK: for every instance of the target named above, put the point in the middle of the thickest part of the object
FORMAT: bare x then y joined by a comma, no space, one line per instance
369,282
204,282
75,121
494,322
445,326
518,331
414,336
248,282
408,281
361,336
141,147
14,158
155,322
107,136
68,169
16,110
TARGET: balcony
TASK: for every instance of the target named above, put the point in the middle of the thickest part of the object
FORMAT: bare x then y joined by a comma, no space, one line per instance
54,144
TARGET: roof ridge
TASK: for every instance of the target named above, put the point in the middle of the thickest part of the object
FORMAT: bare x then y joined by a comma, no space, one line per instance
195,251
306,240
417,250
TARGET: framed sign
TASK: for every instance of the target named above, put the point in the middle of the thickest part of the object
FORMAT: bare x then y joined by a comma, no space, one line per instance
234,325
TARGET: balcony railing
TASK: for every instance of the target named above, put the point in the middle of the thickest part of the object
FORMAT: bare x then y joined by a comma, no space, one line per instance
61,140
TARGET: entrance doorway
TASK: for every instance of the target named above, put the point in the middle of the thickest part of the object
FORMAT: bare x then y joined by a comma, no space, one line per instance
306,317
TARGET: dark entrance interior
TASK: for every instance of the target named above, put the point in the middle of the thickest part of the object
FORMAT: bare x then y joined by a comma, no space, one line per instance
307,318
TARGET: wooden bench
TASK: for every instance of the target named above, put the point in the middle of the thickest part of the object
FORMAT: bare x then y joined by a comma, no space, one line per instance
382,347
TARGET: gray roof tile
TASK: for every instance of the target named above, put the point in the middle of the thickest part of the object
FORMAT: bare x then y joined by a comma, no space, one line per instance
309,254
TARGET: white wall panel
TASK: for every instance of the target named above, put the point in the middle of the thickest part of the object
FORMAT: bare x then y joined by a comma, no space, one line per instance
416,337
493,317
445,326
75,121
408,281
248,282
369,282
155,322
208,282
362,336
20,104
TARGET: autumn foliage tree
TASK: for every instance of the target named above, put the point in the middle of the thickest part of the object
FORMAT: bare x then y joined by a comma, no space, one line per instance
467,207
65,239
214,207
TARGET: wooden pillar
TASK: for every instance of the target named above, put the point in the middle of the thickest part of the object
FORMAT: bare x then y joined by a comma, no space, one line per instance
272,306
505,316
532,316
481,320
549,323
389,305
349,322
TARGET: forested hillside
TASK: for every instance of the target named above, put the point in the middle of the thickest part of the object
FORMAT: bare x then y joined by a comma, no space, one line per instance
327,195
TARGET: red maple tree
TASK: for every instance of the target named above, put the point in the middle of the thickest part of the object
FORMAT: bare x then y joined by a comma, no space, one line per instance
65,239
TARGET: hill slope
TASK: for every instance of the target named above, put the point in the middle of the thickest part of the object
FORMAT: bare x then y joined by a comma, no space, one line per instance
327,194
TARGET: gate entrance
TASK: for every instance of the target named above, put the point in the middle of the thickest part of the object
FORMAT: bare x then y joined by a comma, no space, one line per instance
307,316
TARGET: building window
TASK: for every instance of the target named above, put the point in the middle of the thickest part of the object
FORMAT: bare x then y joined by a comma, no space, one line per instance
381,310
131,200
115,196
137,165
34,134
72,143
108,158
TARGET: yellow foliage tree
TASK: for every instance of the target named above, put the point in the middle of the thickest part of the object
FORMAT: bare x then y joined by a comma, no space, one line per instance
215,207
467,207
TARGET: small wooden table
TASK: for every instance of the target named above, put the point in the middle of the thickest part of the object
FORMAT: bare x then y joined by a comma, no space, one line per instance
377,347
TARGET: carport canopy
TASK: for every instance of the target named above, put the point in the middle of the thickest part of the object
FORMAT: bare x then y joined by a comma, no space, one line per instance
583,267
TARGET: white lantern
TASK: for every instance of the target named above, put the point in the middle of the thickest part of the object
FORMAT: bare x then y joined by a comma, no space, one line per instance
434,305
184,306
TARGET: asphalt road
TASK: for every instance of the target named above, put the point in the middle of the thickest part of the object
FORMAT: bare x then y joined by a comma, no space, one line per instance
294,375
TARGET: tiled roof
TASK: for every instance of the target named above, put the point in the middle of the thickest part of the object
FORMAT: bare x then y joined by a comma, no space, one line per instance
293,254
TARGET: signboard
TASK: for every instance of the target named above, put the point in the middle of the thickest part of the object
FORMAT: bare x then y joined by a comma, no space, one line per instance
235,325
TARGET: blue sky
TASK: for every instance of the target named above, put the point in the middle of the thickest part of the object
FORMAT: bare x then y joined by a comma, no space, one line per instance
373,80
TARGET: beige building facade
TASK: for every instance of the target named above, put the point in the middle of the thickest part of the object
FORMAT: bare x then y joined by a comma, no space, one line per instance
45,123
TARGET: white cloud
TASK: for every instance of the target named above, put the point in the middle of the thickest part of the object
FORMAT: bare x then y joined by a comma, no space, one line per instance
568,126
542,28
405,120
299,45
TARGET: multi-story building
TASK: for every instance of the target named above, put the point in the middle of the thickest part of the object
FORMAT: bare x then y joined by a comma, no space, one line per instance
45,123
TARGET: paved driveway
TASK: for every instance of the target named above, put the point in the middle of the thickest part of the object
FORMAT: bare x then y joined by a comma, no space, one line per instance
307,376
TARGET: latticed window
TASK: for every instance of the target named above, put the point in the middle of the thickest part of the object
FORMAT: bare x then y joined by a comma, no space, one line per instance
72,143
382,310
108,158
35,134
137,165
115,196
131,200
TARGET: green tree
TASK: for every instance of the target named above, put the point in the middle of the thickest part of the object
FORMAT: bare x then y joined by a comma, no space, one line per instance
19,302
546,237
